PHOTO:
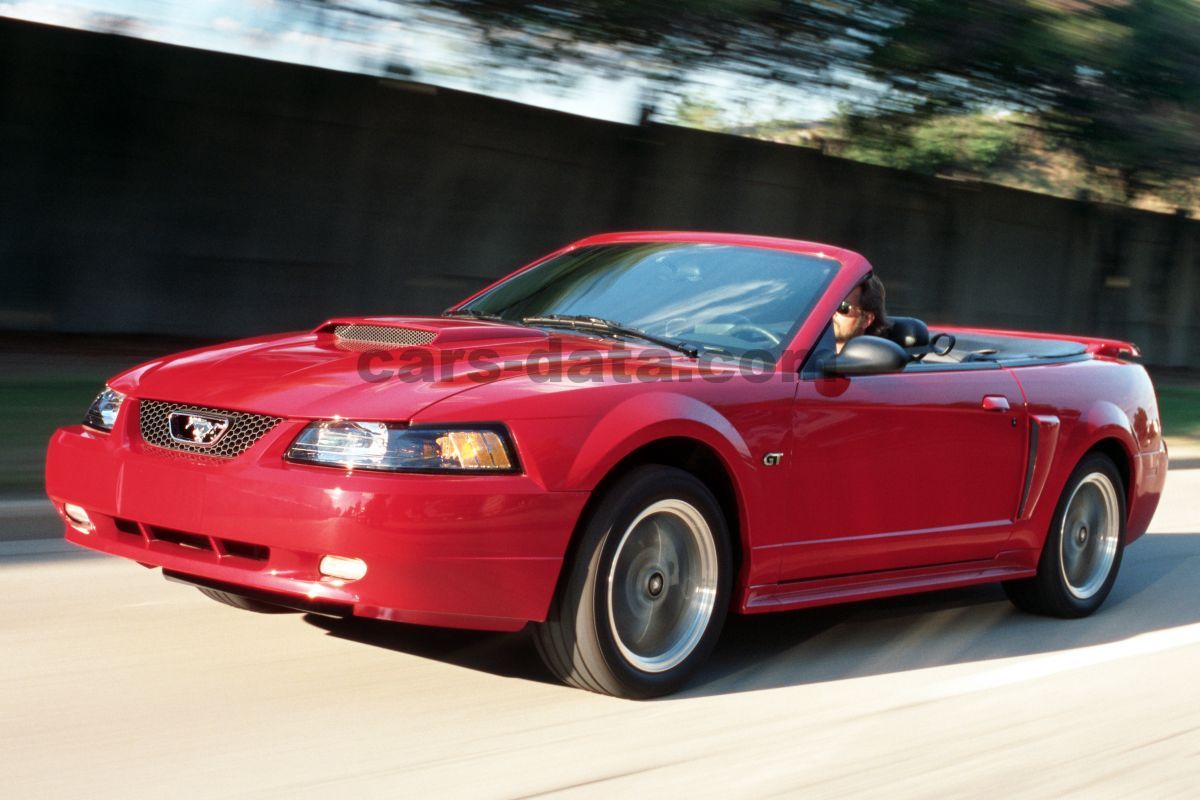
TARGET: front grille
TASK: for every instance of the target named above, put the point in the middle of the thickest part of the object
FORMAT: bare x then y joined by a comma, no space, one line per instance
384,334
244,429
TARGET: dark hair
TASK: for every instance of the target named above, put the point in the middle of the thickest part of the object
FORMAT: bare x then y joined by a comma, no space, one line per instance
874,300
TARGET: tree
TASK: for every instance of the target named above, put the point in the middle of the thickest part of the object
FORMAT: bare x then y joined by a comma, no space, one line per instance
781,41
963,144
1117,81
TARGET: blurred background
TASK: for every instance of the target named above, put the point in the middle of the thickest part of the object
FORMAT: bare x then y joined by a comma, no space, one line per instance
176,173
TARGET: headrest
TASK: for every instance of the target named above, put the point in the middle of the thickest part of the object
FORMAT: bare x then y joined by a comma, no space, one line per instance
908,332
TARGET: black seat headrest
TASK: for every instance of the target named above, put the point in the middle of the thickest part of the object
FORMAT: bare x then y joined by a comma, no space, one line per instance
908,332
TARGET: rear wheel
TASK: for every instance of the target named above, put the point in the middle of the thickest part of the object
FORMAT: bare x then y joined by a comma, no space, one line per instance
244,603
643,602
1083,549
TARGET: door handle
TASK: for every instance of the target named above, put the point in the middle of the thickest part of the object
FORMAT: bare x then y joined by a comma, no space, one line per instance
995,402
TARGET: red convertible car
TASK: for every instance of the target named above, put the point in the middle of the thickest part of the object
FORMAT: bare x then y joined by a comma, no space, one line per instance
620,444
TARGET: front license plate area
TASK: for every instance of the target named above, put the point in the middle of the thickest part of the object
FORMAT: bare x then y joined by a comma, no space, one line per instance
161,494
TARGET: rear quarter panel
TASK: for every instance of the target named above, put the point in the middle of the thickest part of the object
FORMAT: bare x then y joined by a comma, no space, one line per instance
1098,402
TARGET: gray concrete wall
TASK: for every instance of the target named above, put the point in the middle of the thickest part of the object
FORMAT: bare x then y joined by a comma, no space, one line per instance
148,188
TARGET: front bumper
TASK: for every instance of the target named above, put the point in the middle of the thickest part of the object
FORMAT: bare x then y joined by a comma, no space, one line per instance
476,551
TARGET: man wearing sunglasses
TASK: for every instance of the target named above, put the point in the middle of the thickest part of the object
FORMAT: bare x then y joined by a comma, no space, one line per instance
861,312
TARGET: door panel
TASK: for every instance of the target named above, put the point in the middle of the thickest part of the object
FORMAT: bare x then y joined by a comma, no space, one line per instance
903,470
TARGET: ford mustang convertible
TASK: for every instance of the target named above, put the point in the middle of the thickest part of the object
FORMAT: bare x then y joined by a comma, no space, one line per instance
620,444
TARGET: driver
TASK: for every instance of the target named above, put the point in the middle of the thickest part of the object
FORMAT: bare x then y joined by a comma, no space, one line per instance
862,312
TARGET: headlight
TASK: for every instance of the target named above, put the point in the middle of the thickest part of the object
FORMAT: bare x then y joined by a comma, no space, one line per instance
396,447
103,412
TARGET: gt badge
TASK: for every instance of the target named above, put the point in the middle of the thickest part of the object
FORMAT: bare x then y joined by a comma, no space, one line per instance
772,459
198,430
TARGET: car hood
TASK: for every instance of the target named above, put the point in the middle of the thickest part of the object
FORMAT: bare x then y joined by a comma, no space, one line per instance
341,369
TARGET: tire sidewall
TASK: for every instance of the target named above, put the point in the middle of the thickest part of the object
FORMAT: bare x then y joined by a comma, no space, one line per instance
644,487
1051,568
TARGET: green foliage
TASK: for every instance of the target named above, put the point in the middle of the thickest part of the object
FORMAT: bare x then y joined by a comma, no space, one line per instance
698,112
1179,405
967,144
782,41
1117,82
32,408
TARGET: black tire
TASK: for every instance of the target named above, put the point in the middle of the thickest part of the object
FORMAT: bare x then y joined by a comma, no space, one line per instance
1069,584
244,603
593,637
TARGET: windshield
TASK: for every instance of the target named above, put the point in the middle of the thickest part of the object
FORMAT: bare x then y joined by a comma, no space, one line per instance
721,298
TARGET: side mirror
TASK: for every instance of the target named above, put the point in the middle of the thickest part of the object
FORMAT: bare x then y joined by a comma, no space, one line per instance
942,344
866,355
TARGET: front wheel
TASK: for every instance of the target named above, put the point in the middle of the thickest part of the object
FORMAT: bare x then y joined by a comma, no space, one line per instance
644,601
1083,549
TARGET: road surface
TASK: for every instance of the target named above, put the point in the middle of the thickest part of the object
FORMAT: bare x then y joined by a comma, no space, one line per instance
116,683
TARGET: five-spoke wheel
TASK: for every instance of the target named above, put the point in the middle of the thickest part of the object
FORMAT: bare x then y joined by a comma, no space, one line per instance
646,594
1083,548
662,585
1090,535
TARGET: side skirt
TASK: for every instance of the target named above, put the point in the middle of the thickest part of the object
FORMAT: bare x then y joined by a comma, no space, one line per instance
849,588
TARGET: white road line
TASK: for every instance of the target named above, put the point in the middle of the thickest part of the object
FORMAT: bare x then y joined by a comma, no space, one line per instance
1036,668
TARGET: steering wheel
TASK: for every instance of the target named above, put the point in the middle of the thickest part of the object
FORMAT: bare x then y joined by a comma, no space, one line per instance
675,326
758,330
741,323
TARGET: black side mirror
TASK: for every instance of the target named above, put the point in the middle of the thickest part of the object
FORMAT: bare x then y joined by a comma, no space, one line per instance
942,344
866,355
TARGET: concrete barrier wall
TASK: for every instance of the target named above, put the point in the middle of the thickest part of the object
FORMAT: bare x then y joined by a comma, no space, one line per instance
150,188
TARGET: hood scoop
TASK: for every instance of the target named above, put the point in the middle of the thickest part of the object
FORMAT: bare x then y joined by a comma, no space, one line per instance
383,334
374,332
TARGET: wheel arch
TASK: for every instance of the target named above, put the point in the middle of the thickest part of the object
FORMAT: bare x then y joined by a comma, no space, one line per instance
1073,586
1105,429
1108,429
694,456
1117,452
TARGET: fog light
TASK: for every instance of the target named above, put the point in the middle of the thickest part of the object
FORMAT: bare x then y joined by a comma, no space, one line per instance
347,569
77,518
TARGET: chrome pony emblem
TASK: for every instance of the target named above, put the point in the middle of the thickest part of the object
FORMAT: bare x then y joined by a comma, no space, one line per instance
198,430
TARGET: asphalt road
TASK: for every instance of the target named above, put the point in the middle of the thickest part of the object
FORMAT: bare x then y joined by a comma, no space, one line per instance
115,683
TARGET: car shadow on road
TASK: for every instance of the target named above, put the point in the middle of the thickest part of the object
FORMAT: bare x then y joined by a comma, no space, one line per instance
1155,590
510,655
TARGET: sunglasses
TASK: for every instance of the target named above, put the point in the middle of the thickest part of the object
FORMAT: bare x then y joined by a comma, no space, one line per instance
848,310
